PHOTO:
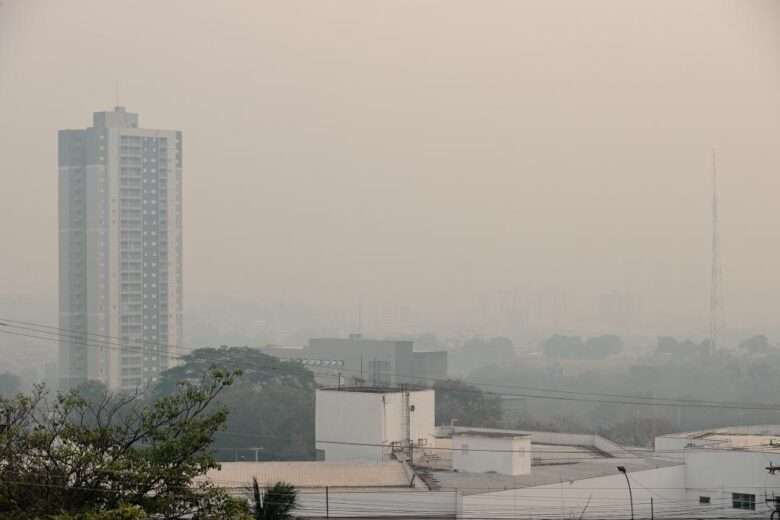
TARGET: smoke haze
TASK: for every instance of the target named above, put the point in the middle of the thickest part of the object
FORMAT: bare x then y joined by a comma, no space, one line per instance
463,167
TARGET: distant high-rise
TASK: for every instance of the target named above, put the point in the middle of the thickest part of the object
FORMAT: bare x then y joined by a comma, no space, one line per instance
120,234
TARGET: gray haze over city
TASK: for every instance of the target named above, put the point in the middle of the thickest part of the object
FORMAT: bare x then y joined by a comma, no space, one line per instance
459,168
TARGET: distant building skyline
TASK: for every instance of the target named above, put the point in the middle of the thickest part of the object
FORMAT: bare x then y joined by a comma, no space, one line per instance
120,235
361,360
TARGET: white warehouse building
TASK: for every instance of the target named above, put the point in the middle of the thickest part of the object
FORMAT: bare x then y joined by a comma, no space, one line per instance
370,423
490,473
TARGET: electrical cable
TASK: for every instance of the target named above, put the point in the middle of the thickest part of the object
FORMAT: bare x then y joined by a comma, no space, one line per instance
620,399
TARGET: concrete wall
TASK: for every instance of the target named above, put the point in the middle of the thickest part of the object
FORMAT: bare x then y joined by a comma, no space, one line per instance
350,417
424,415
379,503
594,498
718,474
441,450
372,503
370,418
480,454
671,447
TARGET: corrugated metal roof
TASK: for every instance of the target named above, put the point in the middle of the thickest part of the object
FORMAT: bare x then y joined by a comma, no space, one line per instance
311,474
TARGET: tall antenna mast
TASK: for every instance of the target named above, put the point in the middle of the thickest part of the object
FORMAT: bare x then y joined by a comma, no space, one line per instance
716,280
360,316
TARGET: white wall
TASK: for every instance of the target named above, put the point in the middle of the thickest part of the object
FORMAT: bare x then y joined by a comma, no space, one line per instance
718,474
480,454
349,417
378,503
671,447
601,497
521,456
424,415
371,419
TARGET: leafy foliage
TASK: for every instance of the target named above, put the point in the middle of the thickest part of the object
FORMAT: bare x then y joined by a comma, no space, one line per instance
573,347
274,503
123,512
466,404
271,405
113,457
480,352
681,349
756,345
677,369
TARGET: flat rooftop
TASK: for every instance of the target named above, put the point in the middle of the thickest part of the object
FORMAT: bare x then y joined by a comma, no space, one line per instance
477,483
497,434
374,389
753,438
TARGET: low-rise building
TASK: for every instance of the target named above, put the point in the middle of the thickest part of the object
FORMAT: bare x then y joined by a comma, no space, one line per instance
385,458
362,361
373,424
727,468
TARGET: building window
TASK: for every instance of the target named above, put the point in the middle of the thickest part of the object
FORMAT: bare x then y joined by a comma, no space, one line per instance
704,500
743,501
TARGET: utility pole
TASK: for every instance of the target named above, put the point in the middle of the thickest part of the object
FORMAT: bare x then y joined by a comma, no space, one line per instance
773,502
716,275
407,421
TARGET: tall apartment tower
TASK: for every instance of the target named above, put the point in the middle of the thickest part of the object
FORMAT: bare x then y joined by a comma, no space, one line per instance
120,234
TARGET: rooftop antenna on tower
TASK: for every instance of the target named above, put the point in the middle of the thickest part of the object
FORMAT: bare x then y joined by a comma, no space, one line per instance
716,280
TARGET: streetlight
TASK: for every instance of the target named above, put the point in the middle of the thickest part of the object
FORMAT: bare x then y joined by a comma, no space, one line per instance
257,450
622,469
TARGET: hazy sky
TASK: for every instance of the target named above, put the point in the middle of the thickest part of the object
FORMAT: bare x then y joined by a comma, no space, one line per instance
436,155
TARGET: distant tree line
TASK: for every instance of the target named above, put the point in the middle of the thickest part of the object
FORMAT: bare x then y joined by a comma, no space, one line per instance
574,347
675,368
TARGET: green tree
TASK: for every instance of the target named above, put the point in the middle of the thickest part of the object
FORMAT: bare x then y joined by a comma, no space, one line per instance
566,347
758,344
466,404
123,512
640,431
681,349
272,405
478,352
70,456
573,347
600,347
274,503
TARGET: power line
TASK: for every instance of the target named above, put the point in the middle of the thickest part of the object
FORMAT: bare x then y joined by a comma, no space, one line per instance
117,341
621,399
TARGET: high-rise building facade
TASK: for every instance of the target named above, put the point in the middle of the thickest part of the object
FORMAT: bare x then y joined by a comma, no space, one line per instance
120,234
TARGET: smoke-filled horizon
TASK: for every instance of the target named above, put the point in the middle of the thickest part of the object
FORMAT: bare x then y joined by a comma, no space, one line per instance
456,167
